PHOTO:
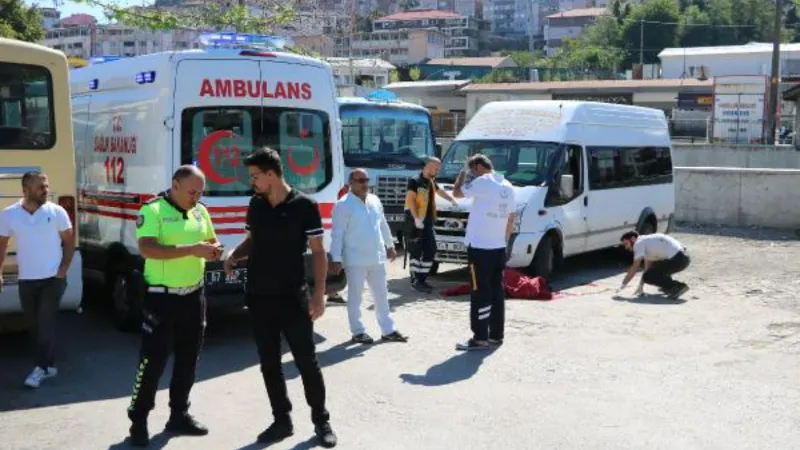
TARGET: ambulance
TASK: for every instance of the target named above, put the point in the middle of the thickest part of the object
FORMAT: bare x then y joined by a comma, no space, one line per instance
137,119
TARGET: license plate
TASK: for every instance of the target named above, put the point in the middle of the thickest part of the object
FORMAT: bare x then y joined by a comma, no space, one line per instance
219,277
395,217
451,247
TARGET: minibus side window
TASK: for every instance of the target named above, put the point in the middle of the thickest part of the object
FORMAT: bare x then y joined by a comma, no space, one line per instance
618,167
27,120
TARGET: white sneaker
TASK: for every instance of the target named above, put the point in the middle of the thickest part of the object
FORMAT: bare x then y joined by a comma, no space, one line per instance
34,380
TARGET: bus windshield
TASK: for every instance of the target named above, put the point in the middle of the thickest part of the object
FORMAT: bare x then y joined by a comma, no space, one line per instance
385,136
522,163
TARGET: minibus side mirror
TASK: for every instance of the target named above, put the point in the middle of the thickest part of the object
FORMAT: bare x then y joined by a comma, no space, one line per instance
439,149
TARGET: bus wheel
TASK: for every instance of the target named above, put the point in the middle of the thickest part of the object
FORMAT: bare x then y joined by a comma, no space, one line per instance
125,312
545,260
648,227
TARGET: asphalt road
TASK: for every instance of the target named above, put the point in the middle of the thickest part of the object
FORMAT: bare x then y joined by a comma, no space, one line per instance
583,371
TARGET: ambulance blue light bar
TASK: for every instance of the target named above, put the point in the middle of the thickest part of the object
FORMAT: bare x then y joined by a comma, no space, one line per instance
93,84
102,59
146,77
239,40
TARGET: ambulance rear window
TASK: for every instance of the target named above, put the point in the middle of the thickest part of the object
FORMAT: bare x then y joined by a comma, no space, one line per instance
218,140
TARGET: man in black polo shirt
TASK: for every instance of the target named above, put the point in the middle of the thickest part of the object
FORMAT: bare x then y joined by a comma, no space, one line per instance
281,223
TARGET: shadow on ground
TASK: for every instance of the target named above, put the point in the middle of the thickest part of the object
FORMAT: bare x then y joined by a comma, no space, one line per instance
459,367
752,233
97,362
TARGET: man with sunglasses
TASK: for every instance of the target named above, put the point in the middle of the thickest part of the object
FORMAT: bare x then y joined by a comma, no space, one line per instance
362,241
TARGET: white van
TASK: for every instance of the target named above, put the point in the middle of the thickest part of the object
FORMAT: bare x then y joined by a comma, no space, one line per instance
584,173
137,119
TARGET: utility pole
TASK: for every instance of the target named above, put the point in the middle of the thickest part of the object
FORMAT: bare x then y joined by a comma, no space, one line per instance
641,42
775,79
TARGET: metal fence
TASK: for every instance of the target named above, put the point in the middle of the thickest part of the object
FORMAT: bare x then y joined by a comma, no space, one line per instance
730,131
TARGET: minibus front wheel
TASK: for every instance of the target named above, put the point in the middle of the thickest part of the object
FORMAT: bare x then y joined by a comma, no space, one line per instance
547,257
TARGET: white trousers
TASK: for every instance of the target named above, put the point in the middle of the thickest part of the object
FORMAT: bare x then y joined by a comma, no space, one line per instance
375,276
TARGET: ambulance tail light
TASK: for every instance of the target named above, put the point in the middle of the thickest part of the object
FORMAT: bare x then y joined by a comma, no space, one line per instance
343,191
68,203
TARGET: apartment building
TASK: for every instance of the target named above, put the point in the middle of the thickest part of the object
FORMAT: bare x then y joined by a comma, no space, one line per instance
569,24
462,33
468,8
87,40
401,48
518,17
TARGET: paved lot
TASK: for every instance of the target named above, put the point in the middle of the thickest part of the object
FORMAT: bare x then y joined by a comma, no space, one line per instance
584,371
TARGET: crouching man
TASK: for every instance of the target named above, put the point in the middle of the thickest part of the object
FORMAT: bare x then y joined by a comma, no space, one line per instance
663,257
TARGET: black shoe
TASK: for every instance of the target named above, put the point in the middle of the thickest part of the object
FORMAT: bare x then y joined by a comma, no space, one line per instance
184,423
140,437
278,431
395,337
422,287
426,285
325,435
495,342
472,344
336,298
363,338
678,291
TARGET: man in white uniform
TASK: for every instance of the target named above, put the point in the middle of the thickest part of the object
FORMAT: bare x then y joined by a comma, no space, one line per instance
488,230
663,257
361,241
45,247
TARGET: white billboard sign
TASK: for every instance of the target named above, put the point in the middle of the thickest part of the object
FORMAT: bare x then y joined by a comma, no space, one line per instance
739,108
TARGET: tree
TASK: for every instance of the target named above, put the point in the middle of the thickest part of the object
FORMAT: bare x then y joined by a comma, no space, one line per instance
20,22
658,18
405,5
414,73
209,15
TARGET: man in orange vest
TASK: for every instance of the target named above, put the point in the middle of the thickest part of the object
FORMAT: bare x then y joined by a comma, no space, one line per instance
420,207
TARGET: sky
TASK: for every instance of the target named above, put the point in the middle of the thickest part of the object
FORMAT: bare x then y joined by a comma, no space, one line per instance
69,8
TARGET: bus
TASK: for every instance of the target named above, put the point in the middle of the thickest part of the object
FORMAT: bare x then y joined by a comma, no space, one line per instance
36,134
390,138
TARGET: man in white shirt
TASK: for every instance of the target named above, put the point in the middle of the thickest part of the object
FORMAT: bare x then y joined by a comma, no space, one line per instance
663,257
45,246
488,230
361,241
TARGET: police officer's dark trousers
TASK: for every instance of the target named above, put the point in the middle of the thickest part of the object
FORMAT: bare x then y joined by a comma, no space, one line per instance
272,316
487,296
172,324
422,252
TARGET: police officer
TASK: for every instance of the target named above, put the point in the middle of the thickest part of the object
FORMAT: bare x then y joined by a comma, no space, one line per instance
420,210
176,237
488,231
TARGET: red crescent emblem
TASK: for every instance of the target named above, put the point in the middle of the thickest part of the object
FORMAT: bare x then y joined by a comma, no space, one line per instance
300,170
204,157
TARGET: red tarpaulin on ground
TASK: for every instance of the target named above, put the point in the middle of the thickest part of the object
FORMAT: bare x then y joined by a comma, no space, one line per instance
516,284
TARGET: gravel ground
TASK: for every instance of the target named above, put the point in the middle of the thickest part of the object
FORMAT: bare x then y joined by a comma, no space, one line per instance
586,370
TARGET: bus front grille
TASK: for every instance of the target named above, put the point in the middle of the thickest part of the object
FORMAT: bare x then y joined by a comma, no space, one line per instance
391,189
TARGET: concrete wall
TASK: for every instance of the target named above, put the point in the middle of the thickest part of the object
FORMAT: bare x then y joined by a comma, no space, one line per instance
755,157
738,197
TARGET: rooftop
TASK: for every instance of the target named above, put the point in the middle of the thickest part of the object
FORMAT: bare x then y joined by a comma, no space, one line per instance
359,63
586,85
753,47
420,14
583,12
487,61
455,84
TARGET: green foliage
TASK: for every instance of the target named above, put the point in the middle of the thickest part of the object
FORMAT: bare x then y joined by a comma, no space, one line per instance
405,5
498,76
616,40
394,76
20,22
217,16
414,73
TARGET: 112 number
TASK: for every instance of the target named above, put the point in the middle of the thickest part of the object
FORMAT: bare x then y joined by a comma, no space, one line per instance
115,170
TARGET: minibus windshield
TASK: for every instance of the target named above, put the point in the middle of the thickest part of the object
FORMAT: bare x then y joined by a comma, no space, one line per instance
385,136
522,163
